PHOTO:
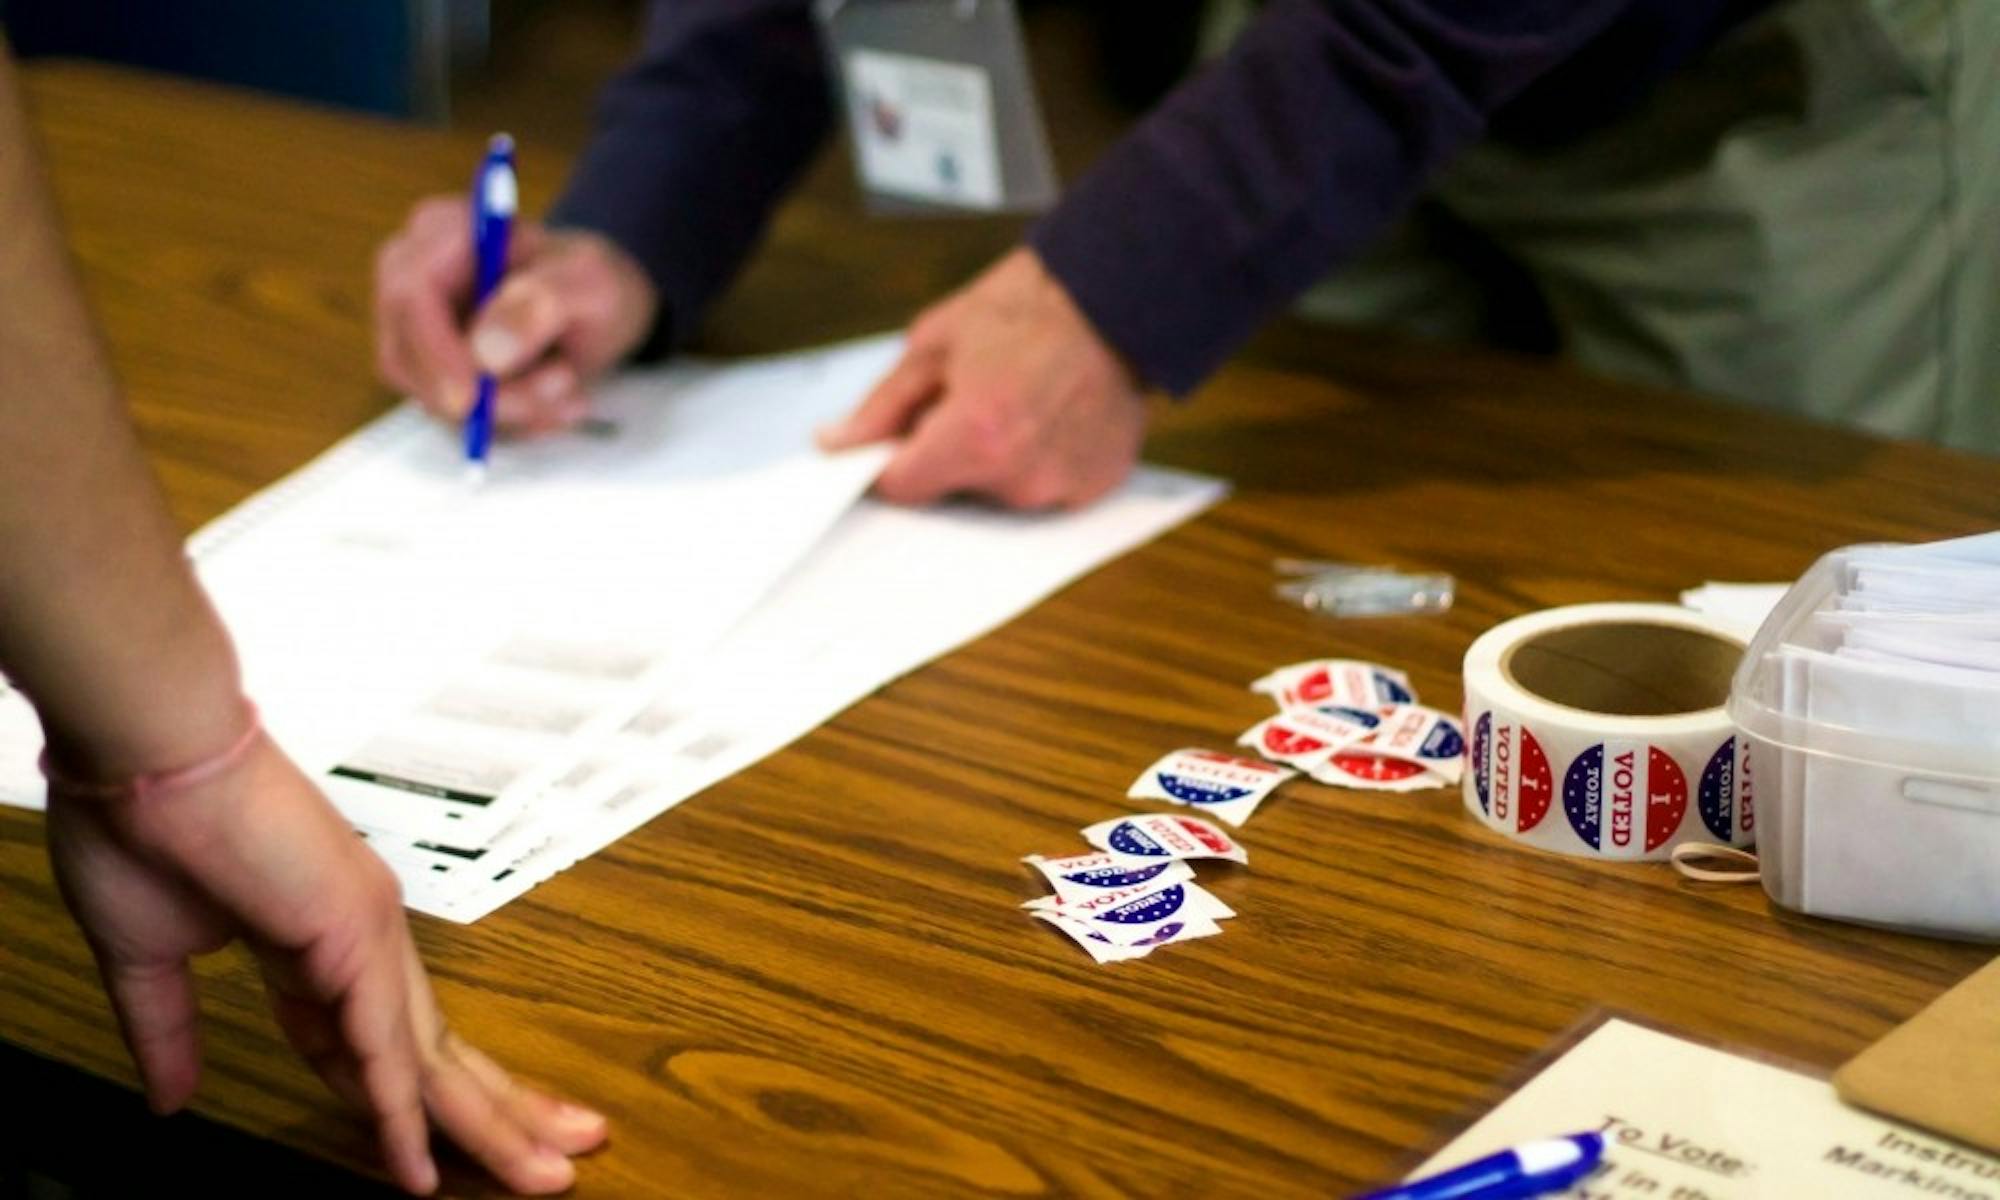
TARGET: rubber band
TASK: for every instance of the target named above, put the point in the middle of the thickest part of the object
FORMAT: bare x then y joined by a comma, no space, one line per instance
160,785
1745,869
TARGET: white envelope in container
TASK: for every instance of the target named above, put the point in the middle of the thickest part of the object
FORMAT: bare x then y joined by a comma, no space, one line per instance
1869,705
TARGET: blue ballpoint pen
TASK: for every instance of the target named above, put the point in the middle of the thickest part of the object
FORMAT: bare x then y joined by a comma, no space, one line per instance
495,196
1534,1169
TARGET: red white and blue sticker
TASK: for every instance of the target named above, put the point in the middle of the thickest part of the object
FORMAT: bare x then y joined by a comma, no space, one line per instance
1723,797
1137,916
1104,950
1480,754
1307,737
1221,785
1746,792
1346,682
1164,836
1625,799
1079,876
1511,775
1180,931
1362,771
1101,949
1424,737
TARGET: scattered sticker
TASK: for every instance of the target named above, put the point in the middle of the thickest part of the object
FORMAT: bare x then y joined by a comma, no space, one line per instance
1079,875
1423,736
1104,950
1179,931
1100,948
1220,784
1372,773
1346,682
1164,835
1307,737
1139,915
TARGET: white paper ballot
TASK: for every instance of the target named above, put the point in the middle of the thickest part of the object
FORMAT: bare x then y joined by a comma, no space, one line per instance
434,652
1682,1119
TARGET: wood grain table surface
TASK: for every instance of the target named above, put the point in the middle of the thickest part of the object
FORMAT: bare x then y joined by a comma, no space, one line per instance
812,980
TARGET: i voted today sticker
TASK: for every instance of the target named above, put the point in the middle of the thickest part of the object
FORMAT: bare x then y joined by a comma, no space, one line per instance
1078,876
1100,948
1131,917
1104,949
1307,737
1222,785
1164,836
1511,773
1422,737
1724,797
1625,799
1344,682
1366,772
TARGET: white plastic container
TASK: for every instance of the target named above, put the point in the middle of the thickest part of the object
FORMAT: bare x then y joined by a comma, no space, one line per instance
1875,778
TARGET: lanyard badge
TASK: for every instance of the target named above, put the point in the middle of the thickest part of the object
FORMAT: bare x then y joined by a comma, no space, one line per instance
941,108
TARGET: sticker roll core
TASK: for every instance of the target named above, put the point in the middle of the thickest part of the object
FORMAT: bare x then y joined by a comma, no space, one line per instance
1600,730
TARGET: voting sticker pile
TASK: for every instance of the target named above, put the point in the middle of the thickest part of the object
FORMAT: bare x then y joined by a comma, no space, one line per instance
1137,893
1340,722
1356,725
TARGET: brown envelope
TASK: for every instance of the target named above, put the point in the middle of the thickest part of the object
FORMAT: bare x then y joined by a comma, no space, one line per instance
1941,1068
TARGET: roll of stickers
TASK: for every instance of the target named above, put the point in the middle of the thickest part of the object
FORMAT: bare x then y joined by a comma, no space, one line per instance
1599,730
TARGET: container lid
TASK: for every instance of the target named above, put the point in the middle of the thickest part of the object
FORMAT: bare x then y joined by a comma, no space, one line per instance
1887,655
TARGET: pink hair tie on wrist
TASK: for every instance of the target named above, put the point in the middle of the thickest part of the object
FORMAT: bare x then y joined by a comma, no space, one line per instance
158,785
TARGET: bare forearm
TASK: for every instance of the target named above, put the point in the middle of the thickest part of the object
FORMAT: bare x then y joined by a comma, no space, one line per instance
101,621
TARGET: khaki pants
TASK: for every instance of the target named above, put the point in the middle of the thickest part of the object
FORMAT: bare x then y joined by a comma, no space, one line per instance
1806,217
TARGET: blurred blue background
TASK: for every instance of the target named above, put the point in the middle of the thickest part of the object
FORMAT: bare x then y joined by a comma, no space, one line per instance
393,57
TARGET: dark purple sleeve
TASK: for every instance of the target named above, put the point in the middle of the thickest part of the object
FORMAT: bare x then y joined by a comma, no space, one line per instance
698,140
1285,158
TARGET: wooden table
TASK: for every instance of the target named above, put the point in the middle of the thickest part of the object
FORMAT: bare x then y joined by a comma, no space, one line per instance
812,980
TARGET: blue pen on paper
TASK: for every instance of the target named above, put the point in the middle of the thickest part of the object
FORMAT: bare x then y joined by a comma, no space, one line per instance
1533,1169
495,197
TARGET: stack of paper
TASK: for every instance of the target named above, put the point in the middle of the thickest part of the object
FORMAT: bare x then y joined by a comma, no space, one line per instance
493,682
